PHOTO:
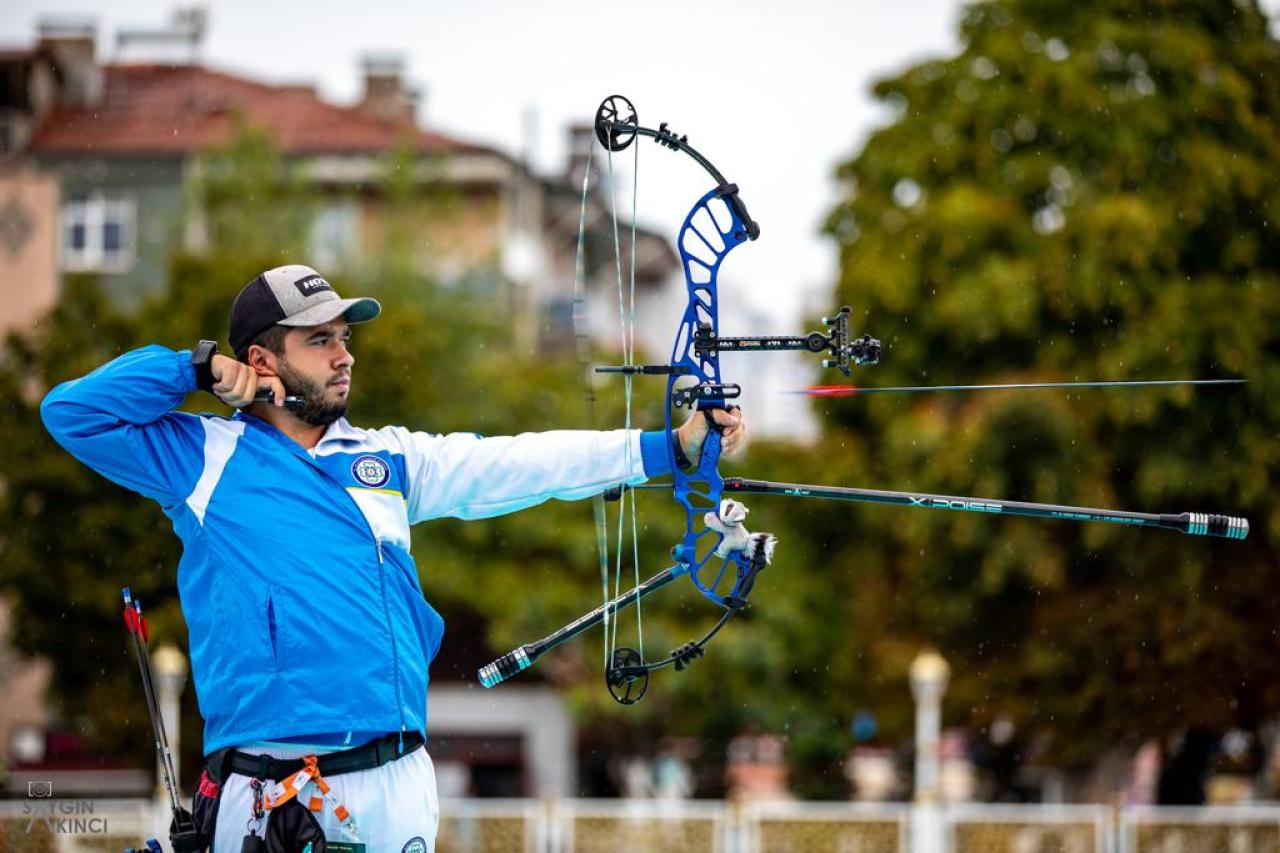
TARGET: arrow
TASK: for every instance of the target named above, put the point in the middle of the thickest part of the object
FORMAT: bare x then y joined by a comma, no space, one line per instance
854,390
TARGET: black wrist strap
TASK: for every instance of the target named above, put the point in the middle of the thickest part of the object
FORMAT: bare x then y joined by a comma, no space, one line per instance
202,364
681,461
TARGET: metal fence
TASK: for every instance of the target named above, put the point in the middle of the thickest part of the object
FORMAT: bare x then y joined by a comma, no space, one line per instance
708,826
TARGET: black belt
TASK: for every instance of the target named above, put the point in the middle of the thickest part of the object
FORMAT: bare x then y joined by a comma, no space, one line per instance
373,754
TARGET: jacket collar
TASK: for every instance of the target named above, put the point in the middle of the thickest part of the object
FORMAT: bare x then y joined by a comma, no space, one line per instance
339,430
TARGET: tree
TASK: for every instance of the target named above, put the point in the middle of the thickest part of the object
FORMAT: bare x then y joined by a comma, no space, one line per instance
1084,191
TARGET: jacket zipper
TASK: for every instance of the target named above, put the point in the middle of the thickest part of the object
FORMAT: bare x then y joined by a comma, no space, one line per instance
386,612
382,588
310,457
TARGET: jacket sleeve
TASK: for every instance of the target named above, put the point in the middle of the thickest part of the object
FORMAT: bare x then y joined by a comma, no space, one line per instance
119,420
463,475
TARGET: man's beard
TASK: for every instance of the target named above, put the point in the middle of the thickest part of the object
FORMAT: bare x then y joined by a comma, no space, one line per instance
315,409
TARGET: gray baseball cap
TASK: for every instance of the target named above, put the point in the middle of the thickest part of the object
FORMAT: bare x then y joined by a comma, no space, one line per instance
292,295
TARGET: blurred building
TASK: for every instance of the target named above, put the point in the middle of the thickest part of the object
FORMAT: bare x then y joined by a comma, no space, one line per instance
98,160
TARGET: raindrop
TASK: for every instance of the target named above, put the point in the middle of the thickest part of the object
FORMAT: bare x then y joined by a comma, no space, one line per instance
1060,177
1056,49
907,193
966,91
1001,140
1048,219
983,68
847,229
1109,56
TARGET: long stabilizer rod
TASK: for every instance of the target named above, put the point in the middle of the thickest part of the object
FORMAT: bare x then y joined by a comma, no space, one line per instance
522,658
1194,523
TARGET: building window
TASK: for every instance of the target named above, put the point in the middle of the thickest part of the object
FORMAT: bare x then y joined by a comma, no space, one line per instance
98,233
335,235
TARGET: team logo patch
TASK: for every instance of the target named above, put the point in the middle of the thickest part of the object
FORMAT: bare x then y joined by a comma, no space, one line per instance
414,845
371,471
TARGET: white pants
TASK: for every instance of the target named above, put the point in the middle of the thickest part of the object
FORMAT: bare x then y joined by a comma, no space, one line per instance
395,806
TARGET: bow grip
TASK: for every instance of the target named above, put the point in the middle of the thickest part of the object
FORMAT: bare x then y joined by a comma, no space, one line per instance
705,406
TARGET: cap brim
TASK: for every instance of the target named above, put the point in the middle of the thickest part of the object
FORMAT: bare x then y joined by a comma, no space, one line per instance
359,310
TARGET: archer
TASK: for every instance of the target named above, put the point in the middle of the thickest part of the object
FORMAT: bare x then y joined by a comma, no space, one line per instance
310,637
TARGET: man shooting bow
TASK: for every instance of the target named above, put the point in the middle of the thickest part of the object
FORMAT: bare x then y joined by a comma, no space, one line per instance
309,632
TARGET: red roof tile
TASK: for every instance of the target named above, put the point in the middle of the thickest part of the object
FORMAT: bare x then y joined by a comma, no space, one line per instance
162,109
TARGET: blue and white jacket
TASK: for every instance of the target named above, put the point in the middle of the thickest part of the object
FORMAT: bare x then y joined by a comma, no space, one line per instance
302,601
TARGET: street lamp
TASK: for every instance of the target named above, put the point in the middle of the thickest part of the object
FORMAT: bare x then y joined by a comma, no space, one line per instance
929,676
170,667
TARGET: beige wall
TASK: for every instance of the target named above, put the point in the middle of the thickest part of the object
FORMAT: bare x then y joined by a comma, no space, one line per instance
28,246
22,688
451,233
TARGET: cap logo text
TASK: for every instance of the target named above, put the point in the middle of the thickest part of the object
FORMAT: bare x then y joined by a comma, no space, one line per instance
311,285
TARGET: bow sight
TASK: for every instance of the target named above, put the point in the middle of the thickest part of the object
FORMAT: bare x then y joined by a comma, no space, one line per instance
844,354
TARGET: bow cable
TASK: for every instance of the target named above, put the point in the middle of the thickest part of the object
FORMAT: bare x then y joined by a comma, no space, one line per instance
582,340
627,324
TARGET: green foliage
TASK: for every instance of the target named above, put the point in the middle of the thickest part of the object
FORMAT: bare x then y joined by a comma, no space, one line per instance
1085,191
72,539
251,199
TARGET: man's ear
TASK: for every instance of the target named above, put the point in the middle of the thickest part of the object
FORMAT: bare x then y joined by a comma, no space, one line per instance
262,360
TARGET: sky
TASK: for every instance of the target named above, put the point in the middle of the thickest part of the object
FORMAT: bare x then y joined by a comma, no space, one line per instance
774,93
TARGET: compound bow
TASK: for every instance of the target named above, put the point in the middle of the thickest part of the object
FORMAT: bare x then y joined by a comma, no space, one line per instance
719,555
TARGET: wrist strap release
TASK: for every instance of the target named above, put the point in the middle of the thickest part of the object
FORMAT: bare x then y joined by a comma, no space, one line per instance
202,364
